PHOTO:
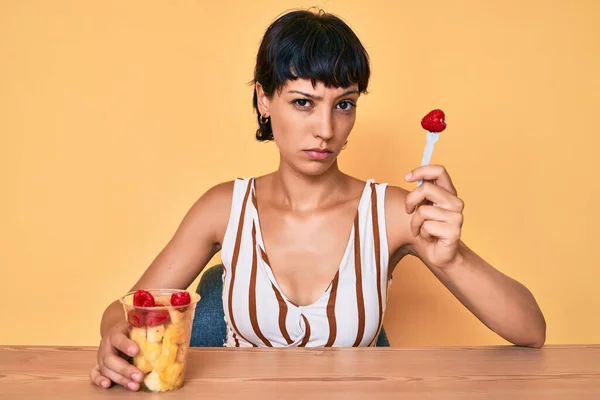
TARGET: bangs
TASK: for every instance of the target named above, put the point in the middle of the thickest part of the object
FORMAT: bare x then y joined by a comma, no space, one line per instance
326,54
316,47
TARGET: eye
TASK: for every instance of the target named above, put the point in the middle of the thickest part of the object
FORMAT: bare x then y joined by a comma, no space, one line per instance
301,103
346,105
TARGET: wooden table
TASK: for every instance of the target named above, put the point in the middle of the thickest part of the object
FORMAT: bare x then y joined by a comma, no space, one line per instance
507,373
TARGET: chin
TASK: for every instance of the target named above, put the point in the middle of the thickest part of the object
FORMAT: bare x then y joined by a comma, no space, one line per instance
314,168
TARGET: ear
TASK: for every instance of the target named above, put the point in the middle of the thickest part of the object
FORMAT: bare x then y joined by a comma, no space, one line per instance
263,100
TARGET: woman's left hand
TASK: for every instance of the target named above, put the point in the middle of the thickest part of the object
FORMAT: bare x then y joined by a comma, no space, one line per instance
437,220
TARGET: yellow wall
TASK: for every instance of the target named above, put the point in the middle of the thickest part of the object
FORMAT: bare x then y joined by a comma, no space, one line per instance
115,116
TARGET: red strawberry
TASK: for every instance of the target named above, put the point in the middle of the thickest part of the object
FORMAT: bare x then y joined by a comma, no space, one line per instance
180,299
142,298
434,121
157,317
136,318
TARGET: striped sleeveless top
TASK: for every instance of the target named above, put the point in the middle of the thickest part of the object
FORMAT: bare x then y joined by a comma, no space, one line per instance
349,313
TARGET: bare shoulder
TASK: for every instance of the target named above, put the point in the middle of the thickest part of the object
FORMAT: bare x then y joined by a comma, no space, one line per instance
217,198
395,196
396,218
218,193
213,209
195,242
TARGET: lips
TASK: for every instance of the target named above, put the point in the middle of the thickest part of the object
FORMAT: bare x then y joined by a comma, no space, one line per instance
318,154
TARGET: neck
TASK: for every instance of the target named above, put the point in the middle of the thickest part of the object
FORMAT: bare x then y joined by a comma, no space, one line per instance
300,192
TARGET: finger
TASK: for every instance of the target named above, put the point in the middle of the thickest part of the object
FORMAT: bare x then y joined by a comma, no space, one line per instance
432,213
119,379
123,368
436,195
98,378
433,173
121,342
446,233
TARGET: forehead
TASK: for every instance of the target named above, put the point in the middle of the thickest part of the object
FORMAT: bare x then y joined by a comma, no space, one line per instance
306,86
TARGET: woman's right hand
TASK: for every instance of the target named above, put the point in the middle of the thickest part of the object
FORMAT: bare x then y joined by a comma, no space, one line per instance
112,365
196,241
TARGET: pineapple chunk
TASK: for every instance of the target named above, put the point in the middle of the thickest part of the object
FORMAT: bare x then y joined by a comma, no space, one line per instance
179,382
175,333
142,364
170,375
176,315
154,383
167,355
155,333
138,335
181,352
152,352
165,300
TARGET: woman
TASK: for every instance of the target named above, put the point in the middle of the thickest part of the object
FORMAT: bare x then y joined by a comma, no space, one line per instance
308,250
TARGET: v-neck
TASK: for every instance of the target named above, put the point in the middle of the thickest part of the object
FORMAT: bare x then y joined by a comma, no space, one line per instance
266,265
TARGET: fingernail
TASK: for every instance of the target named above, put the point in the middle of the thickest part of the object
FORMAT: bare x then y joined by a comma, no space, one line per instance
105,384
408,176
136,376
132,385
131,351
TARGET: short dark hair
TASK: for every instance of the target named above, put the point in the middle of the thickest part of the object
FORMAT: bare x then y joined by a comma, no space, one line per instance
310,45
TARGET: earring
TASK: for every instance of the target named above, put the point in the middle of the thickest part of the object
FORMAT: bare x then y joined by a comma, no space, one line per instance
345,145
264,120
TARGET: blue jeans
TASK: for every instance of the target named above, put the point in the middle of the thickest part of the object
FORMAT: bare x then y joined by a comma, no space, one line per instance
209,328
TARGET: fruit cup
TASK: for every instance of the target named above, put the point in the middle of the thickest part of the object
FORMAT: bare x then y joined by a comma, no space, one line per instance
160,322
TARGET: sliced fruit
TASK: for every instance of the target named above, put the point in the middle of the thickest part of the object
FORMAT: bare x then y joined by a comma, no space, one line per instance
181,352
176,315
143,364
171,373
175,333
138,335
179,382
152,352
155,333
154,383
167,357
163,299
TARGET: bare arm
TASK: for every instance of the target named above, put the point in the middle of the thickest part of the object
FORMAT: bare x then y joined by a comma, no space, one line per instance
197,239
504,305
430,230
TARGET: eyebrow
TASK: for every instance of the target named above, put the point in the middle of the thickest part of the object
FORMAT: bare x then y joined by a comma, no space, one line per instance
312,96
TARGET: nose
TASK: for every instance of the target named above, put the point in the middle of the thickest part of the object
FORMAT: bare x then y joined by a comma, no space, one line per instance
324,128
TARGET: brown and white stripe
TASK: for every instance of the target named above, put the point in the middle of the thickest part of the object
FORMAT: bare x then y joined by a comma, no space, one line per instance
360,300
349,313
252,293
377,251
234,261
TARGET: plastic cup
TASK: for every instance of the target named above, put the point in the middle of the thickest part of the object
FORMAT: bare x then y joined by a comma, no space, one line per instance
163,334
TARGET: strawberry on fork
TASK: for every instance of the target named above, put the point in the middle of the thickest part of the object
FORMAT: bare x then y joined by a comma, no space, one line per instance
434,122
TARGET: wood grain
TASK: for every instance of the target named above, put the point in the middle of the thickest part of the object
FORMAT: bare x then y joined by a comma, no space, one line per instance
503,372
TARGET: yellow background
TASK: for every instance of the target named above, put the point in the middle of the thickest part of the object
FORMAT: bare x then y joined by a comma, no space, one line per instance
115,116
